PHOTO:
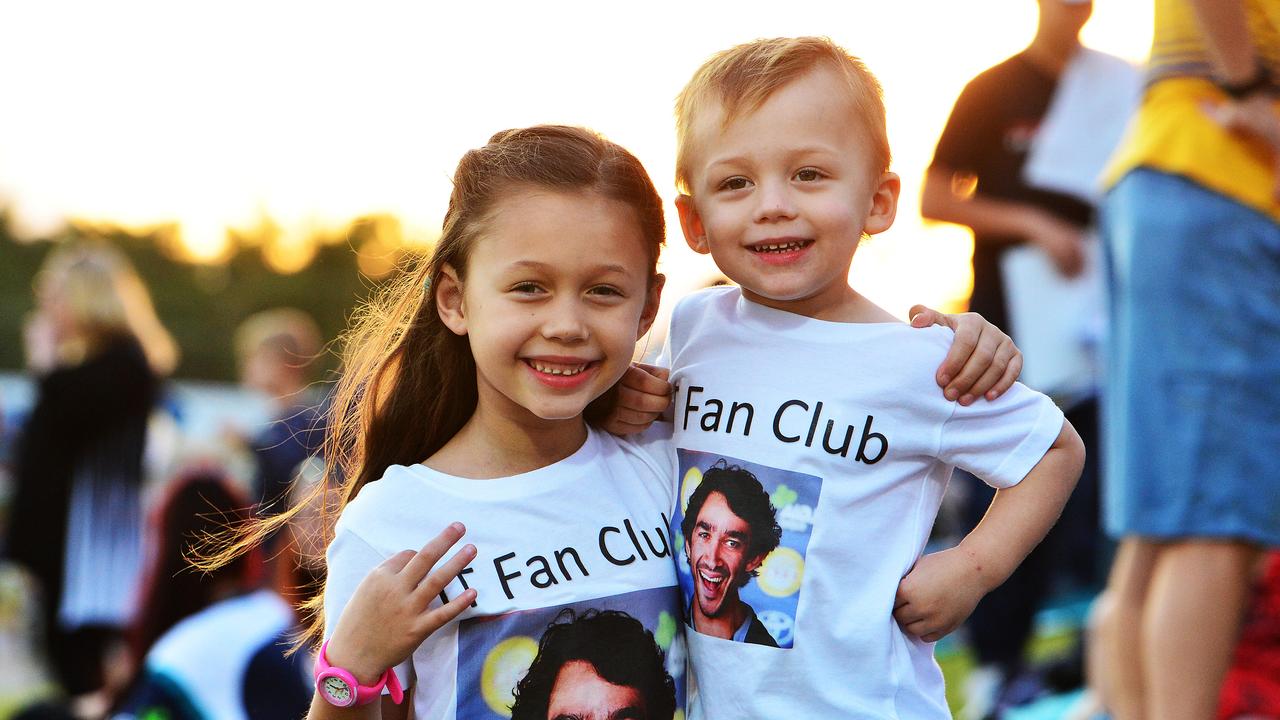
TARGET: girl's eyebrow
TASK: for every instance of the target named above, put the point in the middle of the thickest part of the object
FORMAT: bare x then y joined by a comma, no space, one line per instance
535,265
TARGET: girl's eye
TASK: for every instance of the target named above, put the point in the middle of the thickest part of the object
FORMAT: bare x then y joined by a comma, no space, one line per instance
808,175
606,290
525,287
735,183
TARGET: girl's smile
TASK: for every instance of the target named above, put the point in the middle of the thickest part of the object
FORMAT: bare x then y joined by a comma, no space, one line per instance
556,292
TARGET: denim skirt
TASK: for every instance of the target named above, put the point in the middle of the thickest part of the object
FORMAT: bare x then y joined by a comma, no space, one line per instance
1191,420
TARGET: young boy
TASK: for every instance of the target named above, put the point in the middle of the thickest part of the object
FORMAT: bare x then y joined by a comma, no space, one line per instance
831,403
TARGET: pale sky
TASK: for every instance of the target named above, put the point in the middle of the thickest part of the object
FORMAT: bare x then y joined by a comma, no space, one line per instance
216,114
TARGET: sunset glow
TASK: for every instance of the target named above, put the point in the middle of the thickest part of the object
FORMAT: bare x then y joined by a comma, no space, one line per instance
214,117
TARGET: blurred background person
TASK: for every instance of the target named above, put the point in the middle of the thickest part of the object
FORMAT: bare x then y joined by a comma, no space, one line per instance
1056,108
1192,223
210,644
97,351
276,350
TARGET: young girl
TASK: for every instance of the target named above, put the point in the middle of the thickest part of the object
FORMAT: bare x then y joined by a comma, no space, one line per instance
468,394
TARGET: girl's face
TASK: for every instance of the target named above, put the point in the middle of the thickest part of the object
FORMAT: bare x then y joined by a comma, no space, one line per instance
557,293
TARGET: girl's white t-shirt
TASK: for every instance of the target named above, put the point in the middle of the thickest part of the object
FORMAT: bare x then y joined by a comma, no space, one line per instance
588,532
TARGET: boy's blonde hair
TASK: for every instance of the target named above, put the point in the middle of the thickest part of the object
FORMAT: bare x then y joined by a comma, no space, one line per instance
742,78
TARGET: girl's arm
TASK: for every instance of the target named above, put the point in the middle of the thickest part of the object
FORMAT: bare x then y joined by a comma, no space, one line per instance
982,361
943,587
390,615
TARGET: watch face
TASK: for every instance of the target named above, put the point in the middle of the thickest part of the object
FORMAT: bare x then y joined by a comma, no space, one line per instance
336,691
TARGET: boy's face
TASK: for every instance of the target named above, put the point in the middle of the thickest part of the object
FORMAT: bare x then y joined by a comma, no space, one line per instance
781,196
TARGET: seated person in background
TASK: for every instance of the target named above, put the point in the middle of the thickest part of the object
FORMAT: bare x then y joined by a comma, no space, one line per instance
210,645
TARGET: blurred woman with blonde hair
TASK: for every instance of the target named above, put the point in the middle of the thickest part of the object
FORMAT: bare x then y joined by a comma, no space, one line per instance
97,351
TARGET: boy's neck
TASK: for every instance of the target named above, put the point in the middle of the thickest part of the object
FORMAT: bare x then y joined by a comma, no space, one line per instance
491,445
845,306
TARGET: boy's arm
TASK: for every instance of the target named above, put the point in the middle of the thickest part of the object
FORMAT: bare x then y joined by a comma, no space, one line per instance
943,588
981,362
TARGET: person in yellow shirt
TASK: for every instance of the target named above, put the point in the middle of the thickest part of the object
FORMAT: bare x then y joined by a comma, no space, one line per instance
1192,422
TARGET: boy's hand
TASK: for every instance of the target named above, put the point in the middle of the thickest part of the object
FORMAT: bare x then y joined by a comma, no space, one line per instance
643,395
389,614
982,361
938,594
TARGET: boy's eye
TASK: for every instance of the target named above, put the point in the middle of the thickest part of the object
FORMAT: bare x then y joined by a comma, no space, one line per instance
526,287
734,183
808,175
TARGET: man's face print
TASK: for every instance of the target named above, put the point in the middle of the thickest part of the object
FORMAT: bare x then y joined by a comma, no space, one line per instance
581,694
718,556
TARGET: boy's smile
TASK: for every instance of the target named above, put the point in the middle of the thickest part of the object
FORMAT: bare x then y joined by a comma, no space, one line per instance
780,196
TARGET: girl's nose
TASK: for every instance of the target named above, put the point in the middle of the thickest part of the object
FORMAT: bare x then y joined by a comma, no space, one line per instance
566,322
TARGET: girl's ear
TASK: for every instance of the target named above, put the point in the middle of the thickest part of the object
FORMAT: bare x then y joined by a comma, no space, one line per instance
884,204
449,304
651,305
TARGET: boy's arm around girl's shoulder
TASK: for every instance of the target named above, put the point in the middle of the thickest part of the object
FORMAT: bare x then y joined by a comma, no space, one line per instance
943,588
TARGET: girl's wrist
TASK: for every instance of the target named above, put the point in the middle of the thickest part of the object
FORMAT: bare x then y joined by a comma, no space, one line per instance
366,671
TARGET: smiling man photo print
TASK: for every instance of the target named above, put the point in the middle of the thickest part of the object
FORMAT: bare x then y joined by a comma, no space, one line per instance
729,528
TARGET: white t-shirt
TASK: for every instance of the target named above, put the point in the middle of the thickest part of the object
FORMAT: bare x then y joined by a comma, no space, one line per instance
845,428
588,532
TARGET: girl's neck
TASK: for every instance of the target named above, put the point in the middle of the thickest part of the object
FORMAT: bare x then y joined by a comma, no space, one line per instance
492,445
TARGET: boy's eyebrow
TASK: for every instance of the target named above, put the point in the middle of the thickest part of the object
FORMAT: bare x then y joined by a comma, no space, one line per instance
805,150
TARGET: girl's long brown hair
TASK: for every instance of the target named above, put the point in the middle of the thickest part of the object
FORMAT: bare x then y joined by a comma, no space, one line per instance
408,383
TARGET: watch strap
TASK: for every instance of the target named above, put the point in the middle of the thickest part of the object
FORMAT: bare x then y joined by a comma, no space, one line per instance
364,694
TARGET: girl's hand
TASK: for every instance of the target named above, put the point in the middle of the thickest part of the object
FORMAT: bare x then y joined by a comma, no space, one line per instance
643,395
938,594
389,615
982,361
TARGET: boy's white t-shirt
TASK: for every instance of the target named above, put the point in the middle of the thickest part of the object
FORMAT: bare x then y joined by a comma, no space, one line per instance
588,532
846,429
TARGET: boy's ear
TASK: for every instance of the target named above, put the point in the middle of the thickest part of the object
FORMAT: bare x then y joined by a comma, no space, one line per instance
756,562
449,303
691,224
884,204
651,305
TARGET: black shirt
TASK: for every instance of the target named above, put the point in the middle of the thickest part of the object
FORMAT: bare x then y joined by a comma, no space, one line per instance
988,135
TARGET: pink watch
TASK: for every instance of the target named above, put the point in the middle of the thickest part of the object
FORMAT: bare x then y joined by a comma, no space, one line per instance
340,688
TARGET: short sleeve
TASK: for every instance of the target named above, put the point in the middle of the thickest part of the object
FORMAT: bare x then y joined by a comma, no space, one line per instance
657,450
1001,441
349,560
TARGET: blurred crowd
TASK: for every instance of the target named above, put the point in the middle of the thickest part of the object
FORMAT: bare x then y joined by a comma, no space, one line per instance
109,504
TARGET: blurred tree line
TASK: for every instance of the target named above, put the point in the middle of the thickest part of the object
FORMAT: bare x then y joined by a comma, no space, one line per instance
202,304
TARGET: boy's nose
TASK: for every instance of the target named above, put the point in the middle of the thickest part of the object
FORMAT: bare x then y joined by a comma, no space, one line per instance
774,202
